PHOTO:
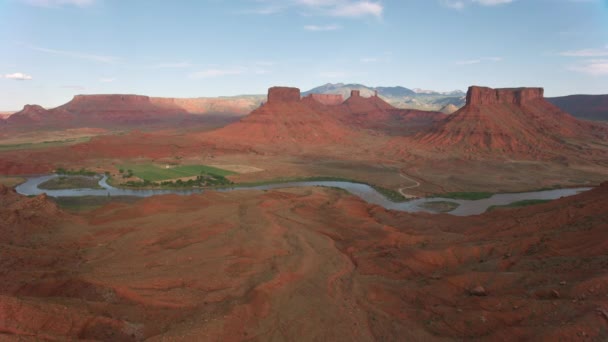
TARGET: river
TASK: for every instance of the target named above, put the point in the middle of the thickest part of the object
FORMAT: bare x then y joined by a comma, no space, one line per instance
363,191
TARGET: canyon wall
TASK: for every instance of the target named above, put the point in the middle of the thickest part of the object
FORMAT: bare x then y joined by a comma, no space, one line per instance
518,96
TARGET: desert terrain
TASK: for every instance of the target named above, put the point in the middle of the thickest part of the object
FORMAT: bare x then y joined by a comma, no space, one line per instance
516,145
304,263
304,170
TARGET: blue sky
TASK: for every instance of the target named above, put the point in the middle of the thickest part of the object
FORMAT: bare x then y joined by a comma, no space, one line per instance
51,50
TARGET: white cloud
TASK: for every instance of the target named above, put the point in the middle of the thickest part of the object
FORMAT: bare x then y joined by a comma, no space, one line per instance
214,72
268,7
333,74
265,63
358,9
260,71
453,4
58,3
480,60
334,8
370,59
593,67
492,2
73,87
317,28
469,62
107,80
586,53
18,76
460,4
177,65
75,54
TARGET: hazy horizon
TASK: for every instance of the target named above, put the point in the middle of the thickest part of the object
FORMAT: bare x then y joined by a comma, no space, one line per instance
55,49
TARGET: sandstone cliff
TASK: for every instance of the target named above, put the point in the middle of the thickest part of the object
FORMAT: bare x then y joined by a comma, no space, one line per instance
119,110
511,122
486,96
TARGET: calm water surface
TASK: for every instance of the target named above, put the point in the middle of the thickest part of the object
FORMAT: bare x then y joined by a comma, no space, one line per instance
363,191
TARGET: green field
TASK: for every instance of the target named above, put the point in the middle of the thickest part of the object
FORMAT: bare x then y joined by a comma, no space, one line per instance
45,144
471,196
155,173
518,204
440,206
73,182
86,203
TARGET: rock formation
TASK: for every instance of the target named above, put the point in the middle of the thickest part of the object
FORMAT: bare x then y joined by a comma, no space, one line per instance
21,217
327,99
375,113
285,121
358,104
477,96
515,121
29,114
449,109
283,94
129,110
231,106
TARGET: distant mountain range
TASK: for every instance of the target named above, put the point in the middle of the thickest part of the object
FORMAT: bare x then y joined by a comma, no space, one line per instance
400,97
589,107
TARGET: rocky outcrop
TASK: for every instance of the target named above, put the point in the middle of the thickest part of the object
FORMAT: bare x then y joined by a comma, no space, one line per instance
112,110
518,96
22,216
285,122
105,99
449,109
327,99
29,114
358,104
511,122
33,108
283,94
234,106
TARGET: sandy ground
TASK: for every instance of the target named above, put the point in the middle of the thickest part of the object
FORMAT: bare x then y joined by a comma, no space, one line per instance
238,168
301,264
42,136
11,181
367,161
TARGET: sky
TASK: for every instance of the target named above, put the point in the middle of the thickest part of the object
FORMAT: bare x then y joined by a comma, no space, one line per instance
51,50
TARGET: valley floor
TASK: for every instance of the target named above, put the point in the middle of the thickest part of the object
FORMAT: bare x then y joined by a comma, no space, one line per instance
301,264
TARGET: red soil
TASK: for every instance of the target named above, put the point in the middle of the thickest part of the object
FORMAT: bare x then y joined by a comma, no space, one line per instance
302,264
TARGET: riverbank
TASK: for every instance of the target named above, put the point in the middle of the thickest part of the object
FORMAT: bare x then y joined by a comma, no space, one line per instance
366,192
71,182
